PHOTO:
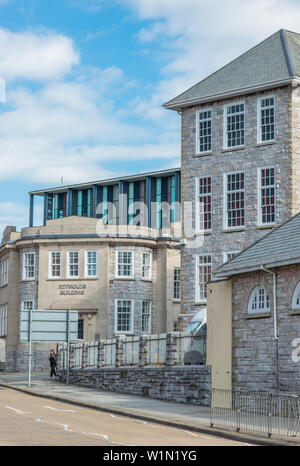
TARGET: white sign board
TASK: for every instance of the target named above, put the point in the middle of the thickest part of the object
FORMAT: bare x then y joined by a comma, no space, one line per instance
49,325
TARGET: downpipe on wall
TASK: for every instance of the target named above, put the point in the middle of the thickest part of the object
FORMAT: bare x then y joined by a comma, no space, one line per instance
275,322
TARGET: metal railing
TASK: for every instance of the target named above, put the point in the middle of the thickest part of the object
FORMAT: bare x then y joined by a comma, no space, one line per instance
156,349
78,355
92,356
110,352
131,351
175,349
259,412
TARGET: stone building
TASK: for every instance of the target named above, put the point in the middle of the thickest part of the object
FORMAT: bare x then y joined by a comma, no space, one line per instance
113,261
240,157
255,306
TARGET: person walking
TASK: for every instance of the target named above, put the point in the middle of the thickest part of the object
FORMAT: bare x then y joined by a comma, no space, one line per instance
53,364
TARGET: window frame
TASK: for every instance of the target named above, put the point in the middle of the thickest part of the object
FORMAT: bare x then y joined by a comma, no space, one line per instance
124,332
149,278
124,277
260,223
225,255
176,299
198,200
225,132
4,266
24,277
72,277
198,112
3,319
259,125
27,301
86,263
199,299
254,291
225,194
149,315
50,276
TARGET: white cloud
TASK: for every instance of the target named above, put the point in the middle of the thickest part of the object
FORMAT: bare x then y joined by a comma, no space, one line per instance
13,214
35,56
197,37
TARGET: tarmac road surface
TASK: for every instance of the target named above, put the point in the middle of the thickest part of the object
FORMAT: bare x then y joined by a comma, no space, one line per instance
27,420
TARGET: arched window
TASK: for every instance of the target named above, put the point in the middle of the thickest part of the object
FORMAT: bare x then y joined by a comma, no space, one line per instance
296,297
259,301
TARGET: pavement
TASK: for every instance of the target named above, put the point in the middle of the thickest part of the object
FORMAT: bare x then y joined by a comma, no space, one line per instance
184,416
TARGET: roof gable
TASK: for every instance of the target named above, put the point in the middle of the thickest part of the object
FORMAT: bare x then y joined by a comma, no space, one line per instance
275,59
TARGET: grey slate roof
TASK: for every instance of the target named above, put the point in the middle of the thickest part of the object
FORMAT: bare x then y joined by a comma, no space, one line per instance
279,247
275,59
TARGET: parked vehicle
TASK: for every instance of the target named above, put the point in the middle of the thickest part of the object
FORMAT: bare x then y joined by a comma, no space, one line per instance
195,341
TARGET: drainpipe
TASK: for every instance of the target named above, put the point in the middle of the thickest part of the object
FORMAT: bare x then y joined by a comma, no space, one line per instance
275,321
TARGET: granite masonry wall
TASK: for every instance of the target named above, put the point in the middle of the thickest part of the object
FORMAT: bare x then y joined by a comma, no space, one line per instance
254,348
17,355
248,159
188,384
136,289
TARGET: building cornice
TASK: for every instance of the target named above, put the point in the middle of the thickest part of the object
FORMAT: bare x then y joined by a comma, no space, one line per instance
84,238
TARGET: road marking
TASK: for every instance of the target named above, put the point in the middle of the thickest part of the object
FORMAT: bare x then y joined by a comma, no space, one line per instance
17,411
62,410
108,439
66,427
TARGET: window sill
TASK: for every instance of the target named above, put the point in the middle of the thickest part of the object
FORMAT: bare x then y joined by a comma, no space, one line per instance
266,143
66,279
176,301
124,278
146,280
258,315
294,312
232,230
3,286
203,232
200,303
233,149
202,154
266,227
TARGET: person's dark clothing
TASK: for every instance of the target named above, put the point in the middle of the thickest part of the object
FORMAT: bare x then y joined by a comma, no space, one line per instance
52,365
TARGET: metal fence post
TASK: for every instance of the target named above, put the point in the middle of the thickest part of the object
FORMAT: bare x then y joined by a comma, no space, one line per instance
270,416
236,401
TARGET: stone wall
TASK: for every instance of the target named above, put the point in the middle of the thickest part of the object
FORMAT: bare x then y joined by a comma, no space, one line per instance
170,380
254,364
17,359
183,384
219,162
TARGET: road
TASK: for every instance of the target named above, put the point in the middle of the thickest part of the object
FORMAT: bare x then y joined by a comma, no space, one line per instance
26,420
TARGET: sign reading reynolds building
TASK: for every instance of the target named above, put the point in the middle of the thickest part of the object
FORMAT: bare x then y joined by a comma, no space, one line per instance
73,289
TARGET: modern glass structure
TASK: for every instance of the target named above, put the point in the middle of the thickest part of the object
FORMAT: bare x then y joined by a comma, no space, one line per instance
149,199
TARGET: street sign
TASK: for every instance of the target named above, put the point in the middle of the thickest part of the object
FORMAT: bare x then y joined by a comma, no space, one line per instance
49,325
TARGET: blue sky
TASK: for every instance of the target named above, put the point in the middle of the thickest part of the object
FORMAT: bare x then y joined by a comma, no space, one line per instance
86,80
